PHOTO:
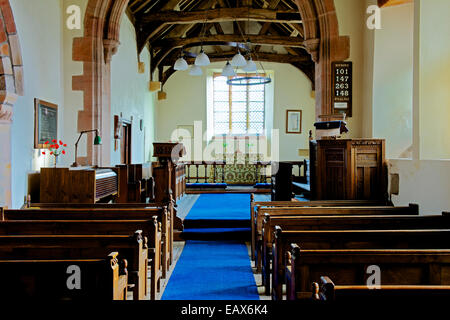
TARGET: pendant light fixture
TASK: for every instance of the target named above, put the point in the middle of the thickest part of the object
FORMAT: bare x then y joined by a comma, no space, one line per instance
202,59
250,66
195,70
180,64
238,60
228,70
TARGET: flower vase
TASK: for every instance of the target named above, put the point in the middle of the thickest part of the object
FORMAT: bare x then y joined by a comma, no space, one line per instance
56,158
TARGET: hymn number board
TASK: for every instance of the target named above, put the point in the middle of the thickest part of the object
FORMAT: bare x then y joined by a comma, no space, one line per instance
45,123
342,87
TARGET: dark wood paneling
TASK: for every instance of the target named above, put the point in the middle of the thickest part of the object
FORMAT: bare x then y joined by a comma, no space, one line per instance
348,169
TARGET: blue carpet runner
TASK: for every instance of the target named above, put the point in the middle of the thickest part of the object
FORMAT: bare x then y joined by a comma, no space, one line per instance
219,216
212,270
217,268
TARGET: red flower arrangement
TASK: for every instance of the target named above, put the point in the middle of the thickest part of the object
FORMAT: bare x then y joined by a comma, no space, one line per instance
55,149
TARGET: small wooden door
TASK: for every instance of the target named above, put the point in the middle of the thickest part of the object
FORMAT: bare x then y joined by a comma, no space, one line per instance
125,144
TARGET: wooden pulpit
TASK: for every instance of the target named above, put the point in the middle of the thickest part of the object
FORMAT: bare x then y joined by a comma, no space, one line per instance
348,169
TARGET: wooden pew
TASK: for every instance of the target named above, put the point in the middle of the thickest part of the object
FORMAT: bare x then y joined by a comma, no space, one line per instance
105,213
349,267
328,291
167,223
150,229
412,209
347,239
132,248
341,223
255,205
101,279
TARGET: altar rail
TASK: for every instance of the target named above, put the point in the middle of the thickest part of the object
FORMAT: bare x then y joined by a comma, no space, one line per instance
216,172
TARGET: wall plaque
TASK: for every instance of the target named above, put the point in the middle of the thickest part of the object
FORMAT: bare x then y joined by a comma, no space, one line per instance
342,87
45,123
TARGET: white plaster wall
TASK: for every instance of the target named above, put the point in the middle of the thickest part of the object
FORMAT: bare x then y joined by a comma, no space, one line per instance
434,79
393,80
352,22
73,100
187,102
425,182
131,97
39,25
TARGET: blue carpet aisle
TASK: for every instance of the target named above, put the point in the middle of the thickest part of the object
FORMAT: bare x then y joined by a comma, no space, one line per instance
219,216
212,270
217,268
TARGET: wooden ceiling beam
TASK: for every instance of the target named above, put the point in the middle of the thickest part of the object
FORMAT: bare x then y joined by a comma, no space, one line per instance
170,5
306,69
389,3
142,6
271,4
227,55
177,31
218,28
223,14
254,39
263,31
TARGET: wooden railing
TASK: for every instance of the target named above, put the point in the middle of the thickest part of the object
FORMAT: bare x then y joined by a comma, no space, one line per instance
215,172
196,177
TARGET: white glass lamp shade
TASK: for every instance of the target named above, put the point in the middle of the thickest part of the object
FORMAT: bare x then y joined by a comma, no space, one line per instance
250,66
202,59
238,60
228,70
180,64
195,71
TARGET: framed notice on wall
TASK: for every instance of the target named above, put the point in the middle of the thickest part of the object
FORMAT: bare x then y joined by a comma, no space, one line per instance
45,123
342,87
293,121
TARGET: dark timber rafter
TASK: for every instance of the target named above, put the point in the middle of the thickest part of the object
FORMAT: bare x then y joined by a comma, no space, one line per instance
265,57
152,24
157,27
233,40
275,40
224,14
306,69
169,26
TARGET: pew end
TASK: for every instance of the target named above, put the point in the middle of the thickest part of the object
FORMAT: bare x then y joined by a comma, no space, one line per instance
326,289
414,208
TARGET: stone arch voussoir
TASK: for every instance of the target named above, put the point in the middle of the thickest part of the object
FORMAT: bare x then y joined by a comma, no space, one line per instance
323,42
95,49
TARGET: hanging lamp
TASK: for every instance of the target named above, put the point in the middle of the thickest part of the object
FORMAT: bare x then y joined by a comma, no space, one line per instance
238,60
202,59
195,70
228,70
180,64
250,66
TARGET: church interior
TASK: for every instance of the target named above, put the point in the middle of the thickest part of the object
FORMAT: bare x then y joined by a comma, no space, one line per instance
225,150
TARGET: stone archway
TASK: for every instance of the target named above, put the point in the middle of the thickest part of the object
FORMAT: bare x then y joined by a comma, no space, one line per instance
11,86
323,42
101,40
95,49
